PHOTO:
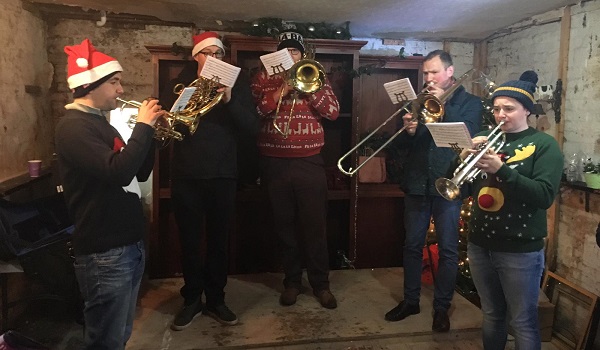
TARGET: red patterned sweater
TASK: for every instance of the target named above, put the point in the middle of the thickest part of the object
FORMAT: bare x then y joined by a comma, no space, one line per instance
305,136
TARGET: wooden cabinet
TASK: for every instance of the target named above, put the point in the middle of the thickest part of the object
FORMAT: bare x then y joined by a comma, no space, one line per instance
364,220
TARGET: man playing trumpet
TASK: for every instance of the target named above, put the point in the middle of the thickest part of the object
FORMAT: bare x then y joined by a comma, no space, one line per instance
99,174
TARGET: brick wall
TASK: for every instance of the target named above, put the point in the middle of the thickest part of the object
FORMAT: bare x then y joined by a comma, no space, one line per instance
26,126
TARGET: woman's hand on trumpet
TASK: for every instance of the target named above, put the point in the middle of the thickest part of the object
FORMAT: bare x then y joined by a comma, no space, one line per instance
490,162
149,112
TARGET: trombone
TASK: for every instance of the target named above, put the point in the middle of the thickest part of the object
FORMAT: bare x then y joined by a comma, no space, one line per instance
466,171
426,108
305,76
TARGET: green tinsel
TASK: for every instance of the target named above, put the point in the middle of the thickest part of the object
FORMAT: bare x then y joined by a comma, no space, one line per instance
271,27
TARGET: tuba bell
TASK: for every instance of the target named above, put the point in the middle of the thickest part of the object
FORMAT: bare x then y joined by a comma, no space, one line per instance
305,76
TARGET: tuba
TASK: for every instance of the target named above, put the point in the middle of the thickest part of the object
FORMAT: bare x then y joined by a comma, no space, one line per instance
426,108
305,76
204,98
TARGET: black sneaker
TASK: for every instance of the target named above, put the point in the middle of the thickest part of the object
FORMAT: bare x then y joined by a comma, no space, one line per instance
187,314
222,314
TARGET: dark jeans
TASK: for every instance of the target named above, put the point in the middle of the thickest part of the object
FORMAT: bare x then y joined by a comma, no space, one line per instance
109,283
417,215
297,190
196,203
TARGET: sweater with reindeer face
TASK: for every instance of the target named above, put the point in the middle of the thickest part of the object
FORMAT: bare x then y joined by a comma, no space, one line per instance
509,208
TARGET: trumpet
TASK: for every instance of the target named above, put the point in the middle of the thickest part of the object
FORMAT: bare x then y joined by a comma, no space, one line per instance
305,76
466,171
161,132
426,108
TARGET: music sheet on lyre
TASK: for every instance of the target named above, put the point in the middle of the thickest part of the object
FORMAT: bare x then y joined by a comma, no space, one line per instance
450,134
277,62
400,90
224,72
183,99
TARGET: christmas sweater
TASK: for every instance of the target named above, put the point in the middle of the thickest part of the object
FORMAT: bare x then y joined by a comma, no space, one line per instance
306,136
509,208
96,168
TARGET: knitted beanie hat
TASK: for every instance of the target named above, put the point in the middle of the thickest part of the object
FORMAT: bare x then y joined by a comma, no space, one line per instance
522,90
204,40
291,40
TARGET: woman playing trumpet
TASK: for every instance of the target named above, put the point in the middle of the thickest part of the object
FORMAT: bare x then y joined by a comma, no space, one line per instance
516,186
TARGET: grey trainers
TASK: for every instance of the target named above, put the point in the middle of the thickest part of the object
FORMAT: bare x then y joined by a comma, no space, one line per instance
187,314
222,314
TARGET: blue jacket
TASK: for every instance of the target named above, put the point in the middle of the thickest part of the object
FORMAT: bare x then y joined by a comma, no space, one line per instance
425,162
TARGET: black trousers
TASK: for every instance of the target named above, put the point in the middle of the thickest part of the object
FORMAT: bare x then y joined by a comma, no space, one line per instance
204,206
297,190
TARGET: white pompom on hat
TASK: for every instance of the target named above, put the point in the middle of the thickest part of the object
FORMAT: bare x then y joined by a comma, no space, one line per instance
86,65
206,39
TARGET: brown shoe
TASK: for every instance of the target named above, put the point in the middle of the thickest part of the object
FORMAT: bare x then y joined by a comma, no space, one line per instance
289,296
326,299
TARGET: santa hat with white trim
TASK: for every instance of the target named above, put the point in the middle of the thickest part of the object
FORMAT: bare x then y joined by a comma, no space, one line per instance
88,68
204,40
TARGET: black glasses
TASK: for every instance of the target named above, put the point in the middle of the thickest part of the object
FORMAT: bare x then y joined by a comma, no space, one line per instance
218,54
293,51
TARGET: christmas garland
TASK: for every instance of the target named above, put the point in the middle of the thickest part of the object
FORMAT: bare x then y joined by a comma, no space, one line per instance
271,27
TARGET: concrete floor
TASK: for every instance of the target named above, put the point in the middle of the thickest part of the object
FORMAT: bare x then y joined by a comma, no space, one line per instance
364,296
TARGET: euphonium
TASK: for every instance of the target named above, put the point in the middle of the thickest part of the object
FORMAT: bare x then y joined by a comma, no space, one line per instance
204,98
466,171
305,76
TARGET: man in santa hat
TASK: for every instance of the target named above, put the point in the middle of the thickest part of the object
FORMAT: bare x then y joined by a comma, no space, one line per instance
99,175
204,186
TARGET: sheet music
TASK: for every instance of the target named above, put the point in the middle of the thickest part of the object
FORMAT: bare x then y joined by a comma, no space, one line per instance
400,90
450,135
277,62
223,72
183,99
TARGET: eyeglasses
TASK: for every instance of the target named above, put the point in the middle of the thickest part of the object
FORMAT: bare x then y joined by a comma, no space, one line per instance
293,51
218,54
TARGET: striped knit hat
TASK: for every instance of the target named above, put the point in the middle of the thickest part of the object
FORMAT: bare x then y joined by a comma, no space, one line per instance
522,90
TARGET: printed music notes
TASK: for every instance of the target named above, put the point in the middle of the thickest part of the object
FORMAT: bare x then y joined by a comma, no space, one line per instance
223,72
183,99
453,135
277,62
400,91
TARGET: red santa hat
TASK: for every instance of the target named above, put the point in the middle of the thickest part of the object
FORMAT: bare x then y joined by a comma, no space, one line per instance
204,40
86,65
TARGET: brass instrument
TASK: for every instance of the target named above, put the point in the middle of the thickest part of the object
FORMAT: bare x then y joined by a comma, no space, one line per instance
426,108
466,171
204,98
162,132
305,76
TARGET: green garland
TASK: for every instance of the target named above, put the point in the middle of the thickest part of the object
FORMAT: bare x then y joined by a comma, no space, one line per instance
271,27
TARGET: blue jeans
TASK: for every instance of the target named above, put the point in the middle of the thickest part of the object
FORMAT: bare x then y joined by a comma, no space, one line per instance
109,283
508,285
417,215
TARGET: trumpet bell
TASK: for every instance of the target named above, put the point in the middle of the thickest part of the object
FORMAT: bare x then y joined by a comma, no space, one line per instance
447,189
